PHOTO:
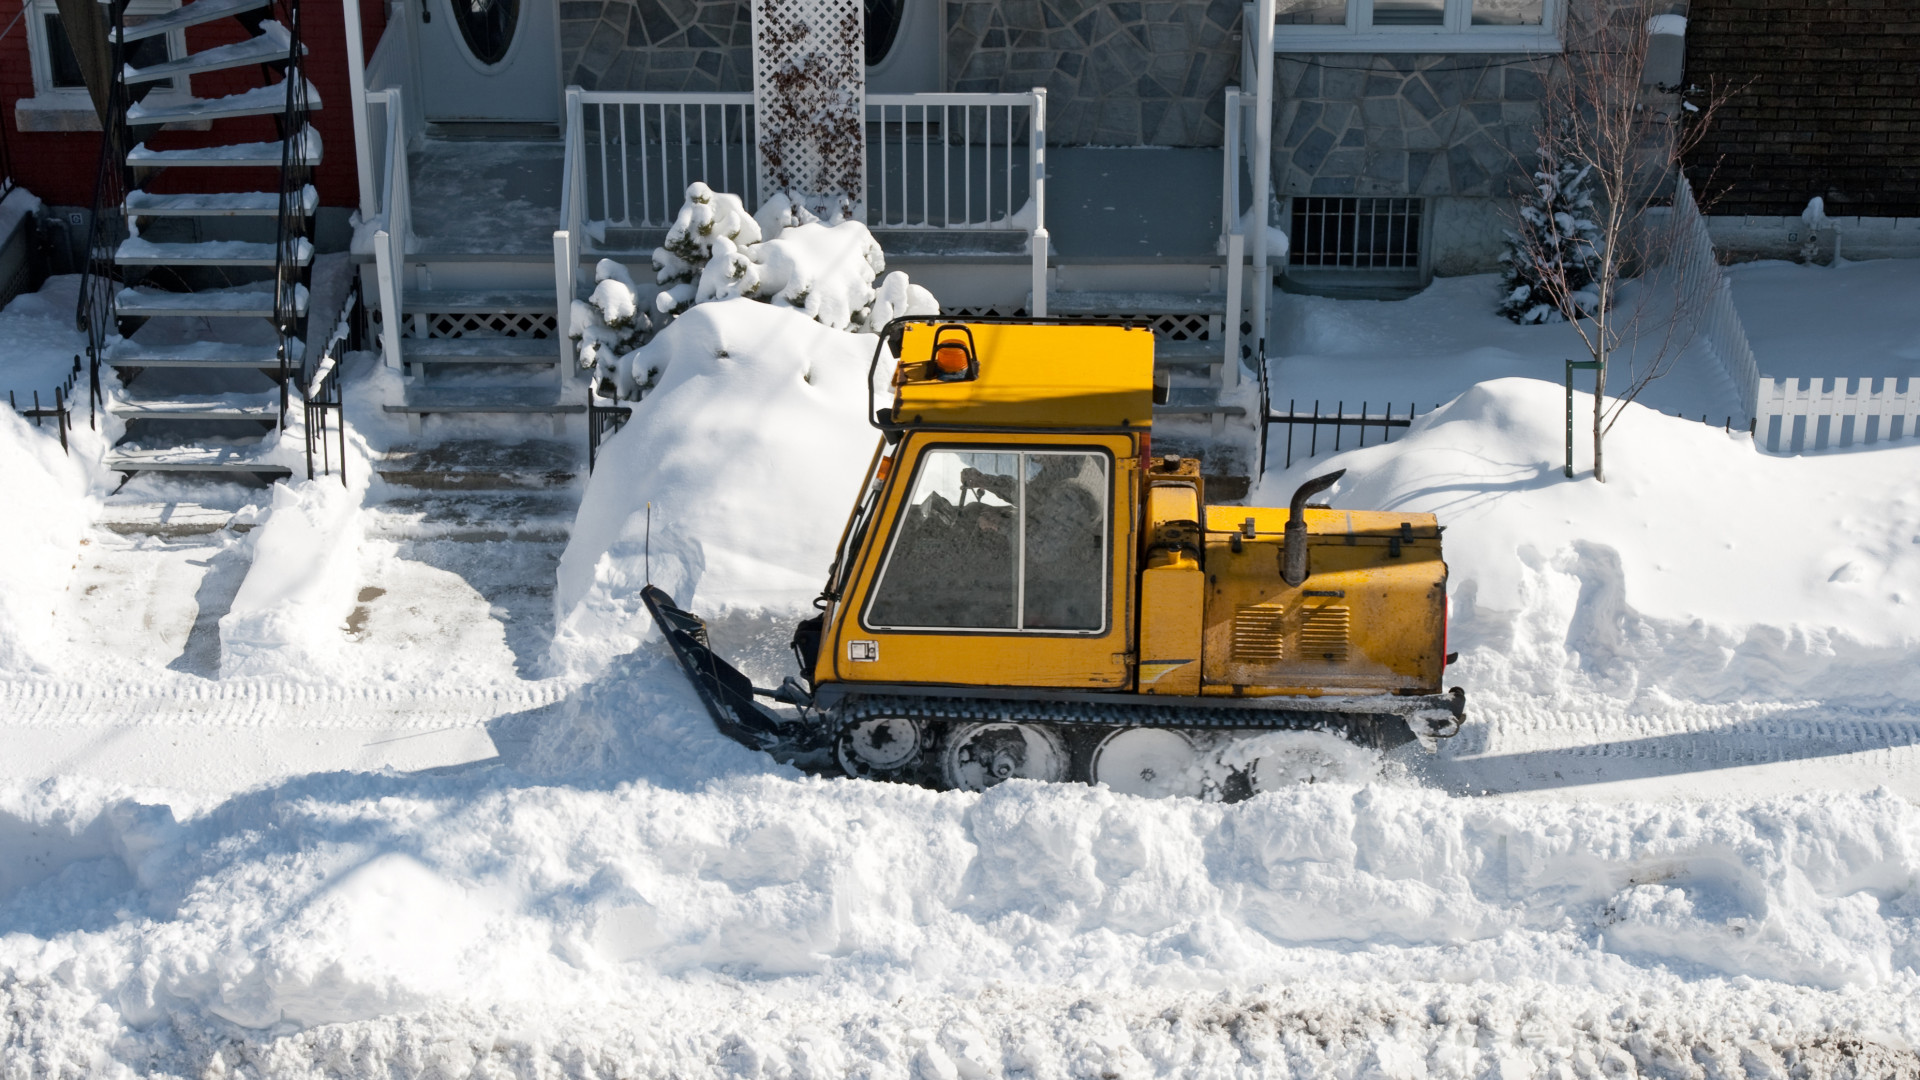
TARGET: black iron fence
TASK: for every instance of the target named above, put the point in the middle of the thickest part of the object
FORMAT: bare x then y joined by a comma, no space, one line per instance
59,410
1337,422
602,422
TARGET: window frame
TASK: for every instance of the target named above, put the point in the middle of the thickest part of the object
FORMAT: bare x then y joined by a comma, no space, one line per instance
905,506
1455,34
40,55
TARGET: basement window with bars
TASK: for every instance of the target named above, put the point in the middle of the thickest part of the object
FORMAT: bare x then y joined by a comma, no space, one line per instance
58,85
1349,233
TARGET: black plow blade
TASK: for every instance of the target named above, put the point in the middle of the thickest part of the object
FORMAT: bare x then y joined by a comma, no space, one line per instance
727,694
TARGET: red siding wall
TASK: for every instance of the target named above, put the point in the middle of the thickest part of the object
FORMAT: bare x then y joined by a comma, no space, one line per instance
60,167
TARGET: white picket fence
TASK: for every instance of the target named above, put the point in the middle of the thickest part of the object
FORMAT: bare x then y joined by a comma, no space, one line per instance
1797,415
1788,416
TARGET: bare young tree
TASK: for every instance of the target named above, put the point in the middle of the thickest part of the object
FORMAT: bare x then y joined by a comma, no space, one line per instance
1603,113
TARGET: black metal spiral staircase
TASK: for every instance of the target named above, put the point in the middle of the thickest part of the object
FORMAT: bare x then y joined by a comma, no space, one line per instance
184,298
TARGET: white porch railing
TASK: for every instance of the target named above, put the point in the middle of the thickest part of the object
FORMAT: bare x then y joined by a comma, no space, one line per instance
958,162
390,238
1233,231
1708,292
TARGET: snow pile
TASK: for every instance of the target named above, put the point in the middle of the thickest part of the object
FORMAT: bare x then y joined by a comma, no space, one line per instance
1681,574
50,501
749,450
773,926
285,620
784,255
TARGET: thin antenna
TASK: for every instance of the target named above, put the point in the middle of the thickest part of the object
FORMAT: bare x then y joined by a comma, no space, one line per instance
649,547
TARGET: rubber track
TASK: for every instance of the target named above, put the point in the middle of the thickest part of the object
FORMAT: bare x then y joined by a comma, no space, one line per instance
1382,732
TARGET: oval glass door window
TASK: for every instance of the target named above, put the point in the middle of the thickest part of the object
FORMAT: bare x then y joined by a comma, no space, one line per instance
487,26
882,25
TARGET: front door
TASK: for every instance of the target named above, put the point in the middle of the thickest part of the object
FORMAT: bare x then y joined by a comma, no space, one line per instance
903,47
488,60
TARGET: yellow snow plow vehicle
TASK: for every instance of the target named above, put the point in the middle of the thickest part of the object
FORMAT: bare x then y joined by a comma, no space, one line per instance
1024,590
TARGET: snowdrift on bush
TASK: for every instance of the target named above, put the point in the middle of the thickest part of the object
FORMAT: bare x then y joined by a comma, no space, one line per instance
750,450
1703,566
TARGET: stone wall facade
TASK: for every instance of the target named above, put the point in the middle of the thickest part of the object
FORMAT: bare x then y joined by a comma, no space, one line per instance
1117,72
699,45
1832,110
1402,125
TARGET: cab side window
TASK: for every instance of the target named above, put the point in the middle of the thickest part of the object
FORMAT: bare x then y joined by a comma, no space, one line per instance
999,540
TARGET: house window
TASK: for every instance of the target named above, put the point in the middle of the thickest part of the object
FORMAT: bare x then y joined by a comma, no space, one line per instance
56,71
1415,26
999,540
1355,233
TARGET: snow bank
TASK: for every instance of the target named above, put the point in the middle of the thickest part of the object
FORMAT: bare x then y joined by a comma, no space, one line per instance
1702,568
50,501
769,926
286,618
750,450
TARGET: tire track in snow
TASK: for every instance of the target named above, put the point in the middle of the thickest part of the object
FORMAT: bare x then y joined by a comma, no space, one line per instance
259,703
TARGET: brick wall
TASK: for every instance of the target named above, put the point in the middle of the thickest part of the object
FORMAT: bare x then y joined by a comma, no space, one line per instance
60,167
1832,109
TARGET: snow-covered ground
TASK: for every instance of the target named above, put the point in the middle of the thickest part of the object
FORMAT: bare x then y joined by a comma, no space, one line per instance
1855,320
1679,838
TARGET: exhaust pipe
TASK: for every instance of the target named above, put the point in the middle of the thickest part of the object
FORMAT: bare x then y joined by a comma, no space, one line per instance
1294,566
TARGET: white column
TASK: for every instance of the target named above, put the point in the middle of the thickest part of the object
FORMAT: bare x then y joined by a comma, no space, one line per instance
362,137
1262,142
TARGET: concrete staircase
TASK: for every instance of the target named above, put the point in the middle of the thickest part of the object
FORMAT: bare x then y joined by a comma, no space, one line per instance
482,372
206,291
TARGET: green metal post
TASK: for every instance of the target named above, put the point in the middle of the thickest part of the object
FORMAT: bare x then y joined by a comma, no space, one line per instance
1573,366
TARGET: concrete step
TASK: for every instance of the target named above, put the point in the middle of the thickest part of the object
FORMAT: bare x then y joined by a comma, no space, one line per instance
263,406
477,516
220,204
480,301
268,100
200,11
1196,401
272,43
484,465
260,155
167,520
1202,356
201,354
544,399
1120,303
194,459
239,300
480,350
138,252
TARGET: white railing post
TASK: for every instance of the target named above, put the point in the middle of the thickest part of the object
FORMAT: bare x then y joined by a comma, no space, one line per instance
567,240
362,137
1262,167
1233,234
390,243
1038,239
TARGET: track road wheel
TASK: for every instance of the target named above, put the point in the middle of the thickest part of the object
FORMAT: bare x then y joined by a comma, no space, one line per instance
1289,759
978,756
1152,762
879,747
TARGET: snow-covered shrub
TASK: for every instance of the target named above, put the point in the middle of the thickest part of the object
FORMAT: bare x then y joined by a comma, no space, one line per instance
1559,246
783,255
609,323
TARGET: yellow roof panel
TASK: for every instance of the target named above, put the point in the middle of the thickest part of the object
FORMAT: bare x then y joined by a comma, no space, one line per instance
1043,375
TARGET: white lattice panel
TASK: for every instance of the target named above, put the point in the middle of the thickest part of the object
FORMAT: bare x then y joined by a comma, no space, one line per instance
809,97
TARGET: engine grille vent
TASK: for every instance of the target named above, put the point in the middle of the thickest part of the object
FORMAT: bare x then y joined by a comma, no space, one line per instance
1259,637
1323,634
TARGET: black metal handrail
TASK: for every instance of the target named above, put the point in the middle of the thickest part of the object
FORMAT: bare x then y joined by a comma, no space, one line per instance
112,180
320,385
295,174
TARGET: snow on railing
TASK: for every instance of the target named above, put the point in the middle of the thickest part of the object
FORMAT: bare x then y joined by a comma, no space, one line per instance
1797,415
1717,321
